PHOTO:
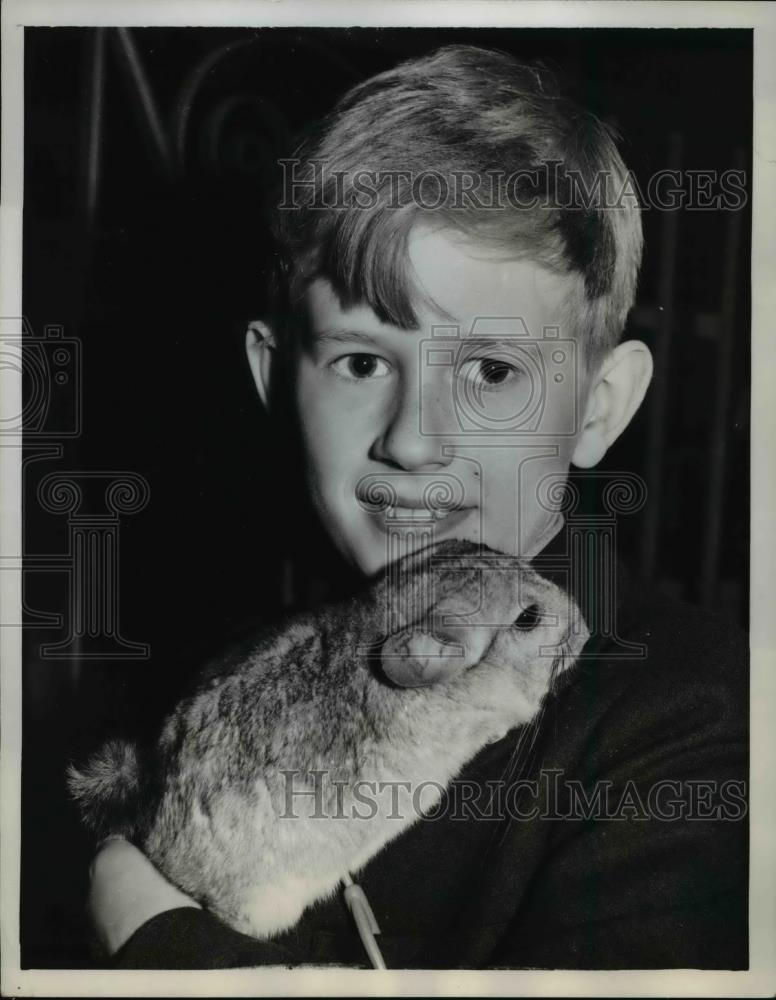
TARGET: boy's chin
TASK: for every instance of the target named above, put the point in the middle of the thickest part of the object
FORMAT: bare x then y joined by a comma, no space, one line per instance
372,555
371,560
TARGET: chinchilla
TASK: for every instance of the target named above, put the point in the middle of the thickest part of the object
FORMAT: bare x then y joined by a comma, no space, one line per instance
276,776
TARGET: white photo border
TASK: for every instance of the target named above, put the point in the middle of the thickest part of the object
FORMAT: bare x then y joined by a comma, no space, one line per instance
760,979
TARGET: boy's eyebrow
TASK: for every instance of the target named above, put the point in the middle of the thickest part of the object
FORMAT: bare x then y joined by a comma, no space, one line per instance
342,335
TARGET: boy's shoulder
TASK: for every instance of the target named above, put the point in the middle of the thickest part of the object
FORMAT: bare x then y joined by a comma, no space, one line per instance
644,643
666,675
659,641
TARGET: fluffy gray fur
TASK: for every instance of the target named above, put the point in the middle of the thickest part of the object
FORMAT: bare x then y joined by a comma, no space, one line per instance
329,701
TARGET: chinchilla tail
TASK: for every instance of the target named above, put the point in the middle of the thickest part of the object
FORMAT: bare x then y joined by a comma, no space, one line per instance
107,789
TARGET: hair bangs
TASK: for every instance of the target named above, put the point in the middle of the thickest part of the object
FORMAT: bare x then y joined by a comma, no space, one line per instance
561,189
367,262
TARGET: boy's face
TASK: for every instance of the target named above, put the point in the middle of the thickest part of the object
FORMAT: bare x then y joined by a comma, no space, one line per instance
475,413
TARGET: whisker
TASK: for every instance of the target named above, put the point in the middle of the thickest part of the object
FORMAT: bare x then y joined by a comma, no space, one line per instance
522,760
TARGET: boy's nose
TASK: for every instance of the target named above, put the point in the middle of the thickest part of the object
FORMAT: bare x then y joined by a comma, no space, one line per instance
409,441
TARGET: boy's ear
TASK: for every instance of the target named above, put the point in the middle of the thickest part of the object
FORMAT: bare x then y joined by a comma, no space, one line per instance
614,396
260,346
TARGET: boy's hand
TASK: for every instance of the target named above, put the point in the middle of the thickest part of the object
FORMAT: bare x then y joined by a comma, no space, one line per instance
126,891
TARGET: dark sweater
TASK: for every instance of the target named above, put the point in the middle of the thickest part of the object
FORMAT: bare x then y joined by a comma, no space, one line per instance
524,866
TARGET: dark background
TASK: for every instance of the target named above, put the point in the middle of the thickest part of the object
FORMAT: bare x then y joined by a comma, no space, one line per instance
153,258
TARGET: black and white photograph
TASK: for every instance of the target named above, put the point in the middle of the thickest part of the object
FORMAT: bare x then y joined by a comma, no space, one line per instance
388,487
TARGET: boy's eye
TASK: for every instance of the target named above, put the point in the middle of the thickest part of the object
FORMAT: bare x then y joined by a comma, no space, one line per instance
489,373
359,367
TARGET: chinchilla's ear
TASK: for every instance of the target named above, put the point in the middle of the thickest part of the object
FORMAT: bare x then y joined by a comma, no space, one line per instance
456,635
419,658
261,348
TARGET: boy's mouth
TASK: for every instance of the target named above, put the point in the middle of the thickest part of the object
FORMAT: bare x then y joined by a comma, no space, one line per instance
416,513
399,517
439,505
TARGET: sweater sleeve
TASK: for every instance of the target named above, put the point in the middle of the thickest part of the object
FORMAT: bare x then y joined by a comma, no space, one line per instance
187,938
650,869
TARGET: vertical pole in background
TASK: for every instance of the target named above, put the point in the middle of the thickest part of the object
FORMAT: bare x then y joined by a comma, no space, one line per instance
719,432
94,124
145,103
657,414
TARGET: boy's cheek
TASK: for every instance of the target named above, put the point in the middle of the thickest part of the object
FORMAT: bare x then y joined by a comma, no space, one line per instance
326,406
320,418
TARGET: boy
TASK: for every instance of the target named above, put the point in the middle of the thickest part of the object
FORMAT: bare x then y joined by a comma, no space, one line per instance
458,249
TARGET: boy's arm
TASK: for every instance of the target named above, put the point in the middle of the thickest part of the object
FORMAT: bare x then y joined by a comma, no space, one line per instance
144,922
126,890
635,893
195,939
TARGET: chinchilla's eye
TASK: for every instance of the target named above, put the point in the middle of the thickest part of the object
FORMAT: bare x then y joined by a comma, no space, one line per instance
528,618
